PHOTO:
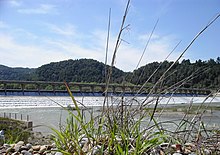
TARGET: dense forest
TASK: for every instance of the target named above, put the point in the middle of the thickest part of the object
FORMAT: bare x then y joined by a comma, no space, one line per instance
199,74
82,70
18,73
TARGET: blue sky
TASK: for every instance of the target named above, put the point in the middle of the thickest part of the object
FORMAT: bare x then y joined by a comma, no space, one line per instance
37,32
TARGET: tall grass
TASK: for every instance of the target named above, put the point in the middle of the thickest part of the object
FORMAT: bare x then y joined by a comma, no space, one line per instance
14,130
130,126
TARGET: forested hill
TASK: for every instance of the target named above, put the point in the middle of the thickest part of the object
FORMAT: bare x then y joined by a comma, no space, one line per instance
82,70
18,73
199,74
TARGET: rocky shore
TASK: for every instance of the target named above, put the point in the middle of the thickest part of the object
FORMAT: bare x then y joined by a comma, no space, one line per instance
21,148
37,144
44,146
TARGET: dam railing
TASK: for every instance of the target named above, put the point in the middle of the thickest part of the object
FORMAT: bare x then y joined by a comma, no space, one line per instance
9,87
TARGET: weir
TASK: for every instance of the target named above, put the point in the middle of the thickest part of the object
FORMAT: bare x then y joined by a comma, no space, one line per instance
47,88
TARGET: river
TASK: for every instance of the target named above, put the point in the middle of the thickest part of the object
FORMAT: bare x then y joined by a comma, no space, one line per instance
46,112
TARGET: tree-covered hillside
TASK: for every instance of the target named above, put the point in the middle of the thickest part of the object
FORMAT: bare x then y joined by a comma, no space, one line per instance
8,73
199,74
82,70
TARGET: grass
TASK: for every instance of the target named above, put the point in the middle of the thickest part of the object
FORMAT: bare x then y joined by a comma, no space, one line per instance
15,131
112,138
127,129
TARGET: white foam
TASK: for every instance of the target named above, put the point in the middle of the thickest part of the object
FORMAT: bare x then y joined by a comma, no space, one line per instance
37,101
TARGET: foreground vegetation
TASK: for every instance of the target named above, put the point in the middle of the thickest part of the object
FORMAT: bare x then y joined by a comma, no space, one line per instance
14,130
128,126
135,129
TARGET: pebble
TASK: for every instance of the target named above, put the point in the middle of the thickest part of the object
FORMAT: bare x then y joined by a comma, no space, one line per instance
21,148
91,148
6,145
21,143
25,152
43,149
176,153
96,150
58,153
29,146
36,148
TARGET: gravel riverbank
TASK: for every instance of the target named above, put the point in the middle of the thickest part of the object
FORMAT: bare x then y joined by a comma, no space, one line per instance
42,145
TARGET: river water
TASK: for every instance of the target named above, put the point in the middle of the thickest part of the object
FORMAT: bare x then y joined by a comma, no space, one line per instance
46,112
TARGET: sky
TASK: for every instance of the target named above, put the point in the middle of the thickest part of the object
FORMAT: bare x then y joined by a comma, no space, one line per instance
37,32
